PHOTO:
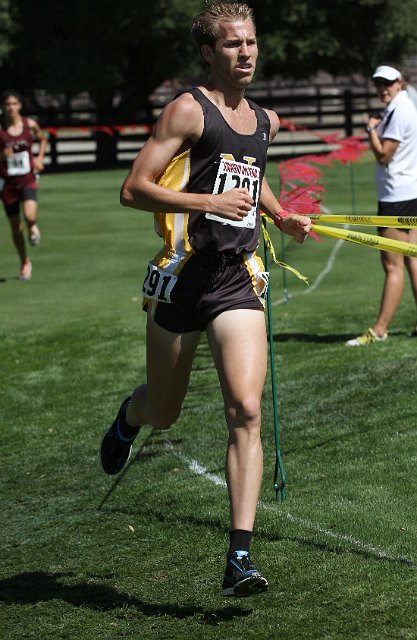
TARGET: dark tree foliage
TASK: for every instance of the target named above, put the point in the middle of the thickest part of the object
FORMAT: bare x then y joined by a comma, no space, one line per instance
7,29
119,50
110,48
342,37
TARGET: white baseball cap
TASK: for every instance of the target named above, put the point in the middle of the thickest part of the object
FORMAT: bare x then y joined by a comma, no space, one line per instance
387,73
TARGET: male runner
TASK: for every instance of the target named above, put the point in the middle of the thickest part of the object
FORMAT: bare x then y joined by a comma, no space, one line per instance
202,175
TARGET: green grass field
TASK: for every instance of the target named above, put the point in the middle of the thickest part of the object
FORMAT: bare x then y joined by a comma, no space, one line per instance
88,557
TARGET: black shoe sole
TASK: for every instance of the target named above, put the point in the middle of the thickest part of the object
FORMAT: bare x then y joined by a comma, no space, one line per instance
249,587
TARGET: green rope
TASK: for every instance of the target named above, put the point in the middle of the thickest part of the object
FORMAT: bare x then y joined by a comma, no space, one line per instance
279,473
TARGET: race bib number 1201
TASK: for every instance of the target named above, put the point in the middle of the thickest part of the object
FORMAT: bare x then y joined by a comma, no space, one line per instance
231,175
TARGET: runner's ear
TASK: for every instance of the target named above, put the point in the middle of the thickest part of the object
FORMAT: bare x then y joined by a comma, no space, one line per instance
207,53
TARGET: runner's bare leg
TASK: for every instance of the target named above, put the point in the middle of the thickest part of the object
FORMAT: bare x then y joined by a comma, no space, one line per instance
169,359
238,343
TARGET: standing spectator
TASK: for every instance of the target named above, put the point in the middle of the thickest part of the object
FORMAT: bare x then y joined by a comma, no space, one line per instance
202,173
393,140
18,173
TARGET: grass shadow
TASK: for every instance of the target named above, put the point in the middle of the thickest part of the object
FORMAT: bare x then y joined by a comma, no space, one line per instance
30,588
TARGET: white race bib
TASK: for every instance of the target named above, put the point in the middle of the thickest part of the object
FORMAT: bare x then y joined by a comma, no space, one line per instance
18,164
230,175
158,284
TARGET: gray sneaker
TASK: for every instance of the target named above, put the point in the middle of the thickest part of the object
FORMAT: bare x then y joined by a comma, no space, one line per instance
34,235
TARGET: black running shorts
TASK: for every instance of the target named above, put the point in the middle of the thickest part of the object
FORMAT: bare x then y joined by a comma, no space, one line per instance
206,287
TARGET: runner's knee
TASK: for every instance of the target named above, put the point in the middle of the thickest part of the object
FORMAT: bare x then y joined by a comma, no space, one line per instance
393,268
244,413
163,420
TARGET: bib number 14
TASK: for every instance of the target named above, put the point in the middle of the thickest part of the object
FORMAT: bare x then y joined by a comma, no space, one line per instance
18,164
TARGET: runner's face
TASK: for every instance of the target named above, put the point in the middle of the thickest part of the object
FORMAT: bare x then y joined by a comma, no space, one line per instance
12,106
235,53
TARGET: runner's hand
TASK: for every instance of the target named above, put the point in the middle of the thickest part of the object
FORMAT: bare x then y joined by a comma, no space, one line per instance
232,205
296,226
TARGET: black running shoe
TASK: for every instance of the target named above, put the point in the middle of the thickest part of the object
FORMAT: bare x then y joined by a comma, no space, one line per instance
241,577
115,450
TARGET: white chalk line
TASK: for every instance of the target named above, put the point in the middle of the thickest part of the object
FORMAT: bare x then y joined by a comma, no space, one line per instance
196,468
327,269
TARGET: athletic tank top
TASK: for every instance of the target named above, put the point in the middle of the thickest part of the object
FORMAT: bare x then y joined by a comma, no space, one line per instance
21,162
220,160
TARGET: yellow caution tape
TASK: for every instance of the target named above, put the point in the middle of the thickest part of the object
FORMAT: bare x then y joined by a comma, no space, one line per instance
271,250
397,222
369,240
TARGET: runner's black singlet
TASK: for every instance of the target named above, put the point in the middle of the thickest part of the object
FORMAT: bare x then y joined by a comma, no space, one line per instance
220,160
189,271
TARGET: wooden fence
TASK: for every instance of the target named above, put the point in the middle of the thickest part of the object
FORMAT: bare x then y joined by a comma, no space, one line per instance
305,119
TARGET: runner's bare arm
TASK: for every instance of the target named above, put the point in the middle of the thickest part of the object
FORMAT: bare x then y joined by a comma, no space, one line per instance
38,134
179,127
292,224
274,123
